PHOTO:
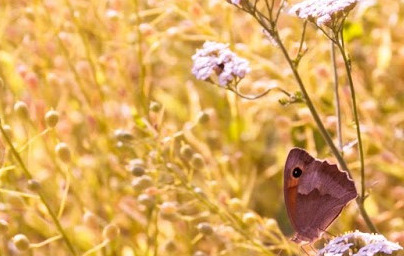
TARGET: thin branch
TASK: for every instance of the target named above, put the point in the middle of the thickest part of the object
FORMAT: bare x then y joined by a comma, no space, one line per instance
334,40
336,98
278,13
41,194
269,8
254,97
362,196
299,52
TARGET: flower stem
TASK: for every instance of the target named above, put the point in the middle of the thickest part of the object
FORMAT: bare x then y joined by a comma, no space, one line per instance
271,27
140,90
312,109
324,133
362,197
40,192
254,97
336,98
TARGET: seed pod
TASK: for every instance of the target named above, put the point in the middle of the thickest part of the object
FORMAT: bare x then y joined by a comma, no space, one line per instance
205,228
186,152
51,118
203,117
155,106
111,231
137,170
63,152
142,182
21,109
197,161
33,185
3,226
146,200
21,242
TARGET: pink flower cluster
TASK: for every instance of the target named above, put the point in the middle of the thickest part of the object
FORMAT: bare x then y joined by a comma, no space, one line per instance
370,244
217,58
322,12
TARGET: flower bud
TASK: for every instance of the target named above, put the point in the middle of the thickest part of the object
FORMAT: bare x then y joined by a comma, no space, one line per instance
21,109
146,200
110,232
3,226
186,152
170,246
205,228
21,242
203,117
200,253
235,204
199,191
7,130
142,182
33,185
90,219
197,161
122,135
137,170
249,218
155,106
63,152
29,12
271,224
168,211
51,118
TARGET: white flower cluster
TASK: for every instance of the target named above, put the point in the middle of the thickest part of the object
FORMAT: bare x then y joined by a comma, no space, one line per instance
372,244
219,59
322,12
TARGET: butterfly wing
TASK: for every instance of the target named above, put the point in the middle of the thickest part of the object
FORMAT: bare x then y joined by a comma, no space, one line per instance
317,196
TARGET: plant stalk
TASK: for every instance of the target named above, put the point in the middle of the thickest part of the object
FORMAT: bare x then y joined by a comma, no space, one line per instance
40,192
337,100
362,197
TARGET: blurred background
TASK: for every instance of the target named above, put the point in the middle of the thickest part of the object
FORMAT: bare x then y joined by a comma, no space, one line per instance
172,164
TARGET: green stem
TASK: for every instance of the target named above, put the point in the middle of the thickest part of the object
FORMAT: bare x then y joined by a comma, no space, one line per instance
337,101
40,192
87,48
312,109
362,197
225,215
325,134
141,91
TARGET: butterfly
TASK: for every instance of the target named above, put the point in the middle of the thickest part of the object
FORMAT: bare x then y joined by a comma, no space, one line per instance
315,193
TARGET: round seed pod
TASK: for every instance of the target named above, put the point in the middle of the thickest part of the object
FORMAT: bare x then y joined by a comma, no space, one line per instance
51,118
111,231
21,242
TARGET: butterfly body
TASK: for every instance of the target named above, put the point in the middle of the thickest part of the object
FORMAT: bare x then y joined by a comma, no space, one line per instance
315,193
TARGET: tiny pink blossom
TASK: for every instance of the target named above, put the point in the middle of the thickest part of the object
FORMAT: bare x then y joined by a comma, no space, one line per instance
217,59
322,12
370,244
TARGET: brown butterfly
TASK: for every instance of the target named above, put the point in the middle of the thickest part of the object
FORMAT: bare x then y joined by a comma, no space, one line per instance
315,193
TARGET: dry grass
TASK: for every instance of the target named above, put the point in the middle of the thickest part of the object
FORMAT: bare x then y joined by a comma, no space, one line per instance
157,163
